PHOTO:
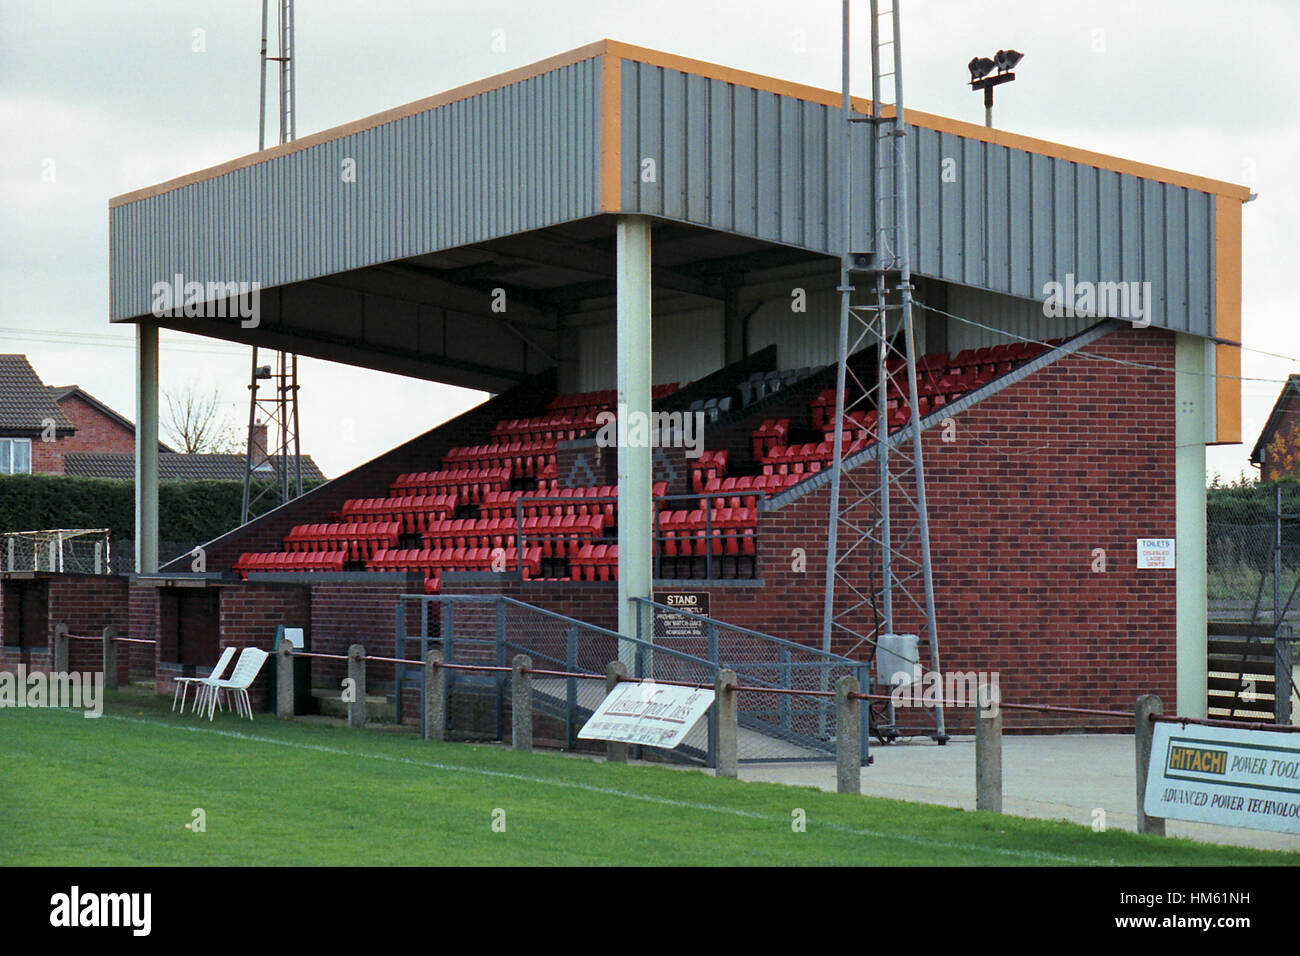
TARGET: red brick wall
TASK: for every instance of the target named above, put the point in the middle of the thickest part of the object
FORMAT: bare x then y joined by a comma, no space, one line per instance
88,604
1271,470
47,456
343,614
249,615
1076,457
95,431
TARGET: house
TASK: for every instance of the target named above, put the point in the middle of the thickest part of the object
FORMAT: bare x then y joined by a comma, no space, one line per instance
1277,451
64,430
32,424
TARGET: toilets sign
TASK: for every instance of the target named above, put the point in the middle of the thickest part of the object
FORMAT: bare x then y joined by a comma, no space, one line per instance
1155,553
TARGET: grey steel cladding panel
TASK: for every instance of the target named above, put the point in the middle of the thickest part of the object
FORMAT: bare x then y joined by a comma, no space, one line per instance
520,157
986,216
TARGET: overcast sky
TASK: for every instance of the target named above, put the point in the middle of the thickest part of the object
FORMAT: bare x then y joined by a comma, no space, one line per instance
109,97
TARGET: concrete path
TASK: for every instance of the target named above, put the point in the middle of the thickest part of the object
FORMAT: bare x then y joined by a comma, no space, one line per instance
1058,777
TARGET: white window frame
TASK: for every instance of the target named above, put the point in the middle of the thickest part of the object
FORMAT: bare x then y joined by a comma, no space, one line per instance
13,443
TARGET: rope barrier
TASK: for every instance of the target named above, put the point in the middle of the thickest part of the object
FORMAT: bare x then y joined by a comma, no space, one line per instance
566,674
1212,722
749,689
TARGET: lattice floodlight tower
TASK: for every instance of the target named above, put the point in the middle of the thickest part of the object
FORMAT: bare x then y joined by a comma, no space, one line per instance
273,469
878,570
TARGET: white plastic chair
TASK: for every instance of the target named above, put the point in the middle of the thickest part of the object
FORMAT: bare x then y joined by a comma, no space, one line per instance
183,683
246,670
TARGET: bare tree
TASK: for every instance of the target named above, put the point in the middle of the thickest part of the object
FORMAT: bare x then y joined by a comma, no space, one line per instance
195,424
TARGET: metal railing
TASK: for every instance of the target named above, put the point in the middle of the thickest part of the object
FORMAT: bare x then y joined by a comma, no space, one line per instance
798,724
487,630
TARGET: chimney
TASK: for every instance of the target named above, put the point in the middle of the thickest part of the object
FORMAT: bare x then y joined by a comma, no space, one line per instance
261,458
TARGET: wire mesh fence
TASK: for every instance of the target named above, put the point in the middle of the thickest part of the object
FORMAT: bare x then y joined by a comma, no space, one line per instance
68,551
1253,552
124,553
772,727
1253,586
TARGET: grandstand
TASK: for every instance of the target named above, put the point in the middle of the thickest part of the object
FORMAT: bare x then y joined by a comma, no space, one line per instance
1049,438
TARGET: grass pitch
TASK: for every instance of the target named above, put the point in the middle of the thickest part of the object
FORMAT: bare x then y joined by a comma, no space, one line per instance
121,789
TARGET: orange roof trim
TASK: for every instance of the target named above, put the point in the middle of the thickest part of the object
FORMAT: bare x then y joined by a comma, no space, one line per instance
614,50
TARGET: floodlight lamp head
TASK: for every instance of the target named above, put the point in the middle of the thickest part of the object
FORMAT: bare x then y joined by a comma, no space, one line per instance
1007,59
980,67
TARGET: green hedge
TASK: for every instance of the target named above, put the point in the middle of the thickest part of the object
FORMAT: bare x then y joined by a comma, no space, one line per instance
187,510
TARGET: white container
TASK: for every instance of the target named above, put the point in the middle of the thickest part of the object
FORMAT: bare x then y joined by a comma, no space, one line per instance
897,663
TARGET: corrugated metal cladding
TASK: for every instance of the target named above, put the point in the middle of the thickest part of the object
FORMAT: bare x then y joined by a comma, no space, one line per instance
764,165
521,157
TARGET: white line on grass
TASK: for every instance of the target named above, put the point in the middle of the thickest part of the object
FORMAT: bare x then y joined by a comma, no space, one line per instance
626,794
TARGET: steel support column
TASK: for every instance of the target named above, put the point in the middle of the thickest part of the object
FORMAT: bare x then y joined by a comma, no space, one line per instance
146,447
1193,390
635,509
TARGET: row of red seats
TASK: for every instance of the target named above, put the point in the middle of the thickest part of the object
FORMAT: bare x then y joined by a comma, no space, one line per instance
470,484
769,434
358,540
710,465
565,501
286,561
605,399
552,533
721,530
528,458
456,559
412,512
595,562
745,490
546,428
563,536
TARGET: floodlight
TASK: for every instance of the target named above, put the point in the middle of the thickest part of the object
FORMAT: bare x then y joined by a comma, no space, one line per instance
980,67
1007,59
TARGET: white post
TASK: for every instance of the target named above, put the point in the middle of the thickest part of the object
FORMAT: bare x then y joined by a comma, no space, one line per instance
635,514
146,447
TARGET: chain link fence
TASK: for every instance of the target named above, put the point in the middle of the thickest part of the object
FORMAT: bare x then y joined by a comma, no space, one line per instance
1243,531
1253,583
